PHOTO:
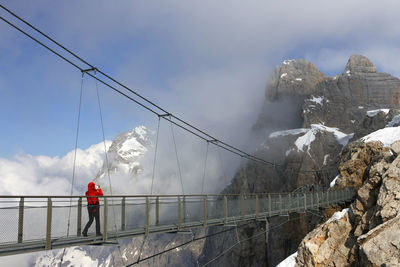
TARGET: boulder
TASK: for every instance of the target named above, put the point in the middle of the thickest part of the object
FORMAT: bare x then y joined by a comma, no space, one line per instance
388,202
326,245
381,246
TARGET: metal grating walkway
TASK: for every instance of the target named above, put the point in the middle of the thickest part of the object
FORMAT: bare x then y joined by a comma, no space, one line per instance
35,223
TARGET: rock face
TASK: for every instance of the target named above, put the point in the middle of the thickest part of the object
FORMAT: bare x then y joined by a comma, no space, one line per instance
326,245
294,78
320,116
381,246
369,232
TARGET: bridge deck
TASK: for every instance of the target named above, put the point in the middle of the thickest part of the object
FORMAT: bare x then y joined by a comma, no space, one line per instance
35,223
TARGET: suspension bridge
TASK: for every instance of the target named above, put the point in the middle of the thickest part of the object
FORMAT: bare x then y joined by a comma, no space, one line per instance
37,223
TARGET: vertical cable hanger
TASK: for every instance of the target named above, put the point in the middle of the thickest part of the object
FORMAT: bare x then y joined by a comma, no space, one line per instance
74,162
155,156
177,159
204,171
107,165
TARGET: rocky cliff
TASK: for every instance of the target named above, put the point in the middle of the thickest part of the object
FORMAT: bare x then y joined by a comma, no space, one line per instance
367,233
321,115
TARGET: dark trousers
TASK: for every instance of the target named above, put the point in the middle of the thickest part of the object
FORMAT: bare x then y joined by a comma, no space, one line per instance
94,213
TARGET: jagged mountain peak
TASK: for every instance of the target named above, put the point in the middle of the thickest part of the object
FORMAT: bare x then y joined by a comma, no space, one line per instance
358,63
126,151
293,77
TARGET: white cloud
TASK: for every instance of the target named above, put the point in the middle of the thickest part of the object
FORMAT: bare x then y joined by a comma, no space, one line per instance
25,174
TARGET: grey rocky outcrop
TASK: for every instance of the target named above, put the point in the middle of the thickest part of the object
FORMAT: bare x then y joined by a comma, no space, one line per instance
305,97
381,246
326,245
368,231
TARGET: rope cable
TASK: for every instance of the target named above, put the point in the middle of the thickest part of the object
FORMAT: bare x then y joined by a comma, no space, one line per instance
184,244
107,168
177,159
204,172
74,163
155,157
215,141
209,137
253,236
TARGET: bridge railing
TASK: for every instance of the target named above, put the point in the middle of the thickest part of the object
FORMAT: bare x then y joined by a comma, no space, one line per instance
25,219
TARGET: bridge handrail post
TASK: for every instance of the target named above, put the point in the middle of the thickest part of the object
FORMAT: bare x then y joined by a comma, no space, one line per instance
298,201
179,213
289,201
21,220
280,204
48,224
269,205
225,210
328,197
257,207
123,210
184,209
312,200
157,210
322,198
204,210
105,219
305,201
79,219
242,206
335,196
147,211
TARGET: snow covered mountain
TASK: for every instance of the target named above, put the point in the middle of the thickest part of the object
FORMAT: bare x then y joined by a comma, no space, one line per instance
124,158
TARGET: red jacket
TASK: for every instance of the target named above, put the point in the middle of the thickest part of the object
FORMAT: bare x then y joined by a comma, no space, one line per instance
92,191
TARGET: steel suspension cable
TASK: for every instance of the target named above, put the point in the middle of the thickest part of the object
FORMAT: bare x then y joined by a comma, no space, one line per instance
177,160
108,169
155,157
74,163
201,134
253,236
185,243
112,79
204,172
152,182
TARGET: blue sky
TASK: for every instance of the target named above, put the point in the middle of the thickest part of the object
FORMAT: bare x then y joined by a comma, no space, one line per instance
205,61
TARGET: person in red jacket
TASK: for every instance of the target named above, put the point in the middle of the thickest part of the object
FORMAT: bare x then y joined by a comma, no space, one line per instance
93,207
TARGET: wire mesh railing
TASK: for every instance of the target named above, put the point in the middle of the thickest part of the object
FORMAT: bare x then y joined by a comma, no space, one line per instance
42,220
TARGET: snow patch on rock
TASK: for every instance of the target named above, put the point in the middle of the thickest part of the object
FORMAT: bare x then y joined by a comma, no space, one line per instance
317,99
288,61
309,137
289,261
395,120
73,256
288,132
332,184
326,159
387,136
372,113
338,215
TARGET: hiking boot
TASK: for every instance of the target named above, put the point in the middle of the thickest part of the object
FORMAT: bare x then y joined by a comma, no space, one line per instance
99,234
84,234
